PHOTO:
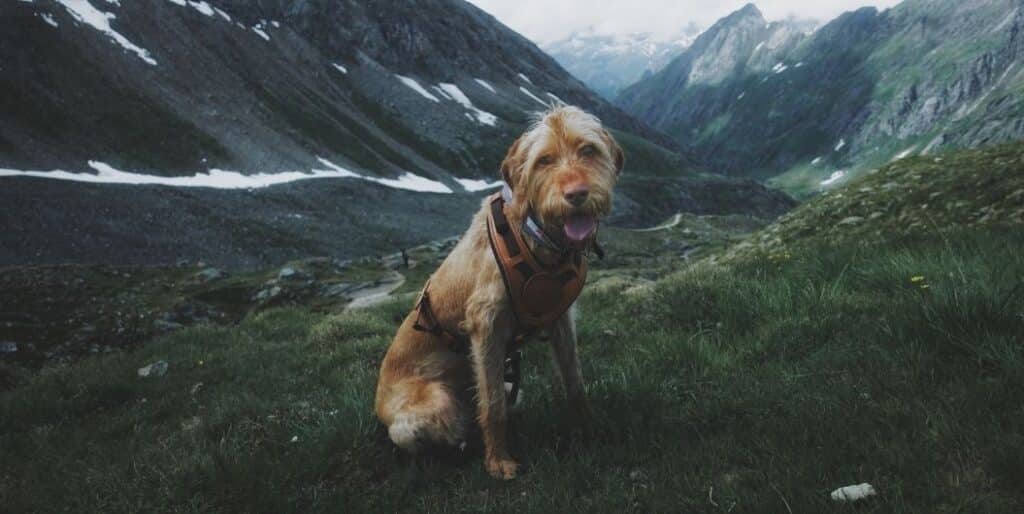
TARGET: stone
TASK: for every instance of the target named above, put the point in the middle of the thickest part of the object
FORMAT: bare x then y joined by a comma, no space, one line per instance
210,275
156,369
852,493
290,273
8,347
268,294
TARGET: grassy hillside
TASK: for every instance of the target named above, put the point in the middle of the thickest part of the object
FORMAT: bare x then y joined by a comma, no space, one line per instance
757,383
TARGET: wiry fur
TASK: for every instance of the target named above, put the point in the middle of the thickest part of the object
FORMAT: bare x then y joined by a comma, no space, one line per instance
425,390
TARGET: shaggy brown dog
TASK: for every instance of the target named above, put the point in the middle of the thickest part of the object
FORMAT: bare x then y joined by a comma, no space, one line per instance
562,170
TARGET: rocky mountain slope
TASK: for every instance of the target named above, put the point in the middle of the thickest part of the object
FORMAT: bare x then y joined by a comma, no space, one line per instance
608,64
175,87
759,99
144,97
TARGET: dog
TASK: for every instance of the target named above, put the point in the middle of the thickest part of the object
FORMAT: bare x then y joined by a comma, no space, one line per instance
560,175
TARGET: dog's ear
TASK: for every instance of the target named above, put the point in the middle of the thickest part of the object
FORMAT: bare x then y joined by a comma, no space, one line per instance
618,157
512,166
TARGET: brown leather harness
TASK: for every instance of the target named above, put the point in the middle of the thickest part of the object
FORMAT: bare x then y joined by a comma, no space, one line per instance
539,294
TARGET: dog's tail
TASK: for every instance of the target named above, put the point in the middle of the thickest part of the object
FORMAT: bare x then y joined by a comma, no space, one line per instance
426,414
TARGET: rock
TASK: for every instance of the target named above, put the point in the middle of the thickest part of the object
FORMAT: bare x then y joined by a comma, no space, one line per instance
852,493
191,424
290,273
268,294
8,347
164,326
156,369
210,275
340,290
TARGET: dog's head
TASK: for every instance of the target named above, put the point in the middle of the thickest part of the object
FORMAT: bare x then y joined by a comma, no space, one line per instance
564,168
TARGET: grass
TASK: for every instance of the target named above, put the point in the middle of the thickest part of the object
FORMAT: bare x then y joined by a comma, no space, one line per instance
760,382
771,381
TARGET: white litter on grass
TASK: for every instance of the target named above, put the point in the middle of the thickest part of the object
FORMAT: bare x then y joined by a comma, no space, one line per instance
220,179
473,186
340,68
483,83
453,92
84,12
533,96
527,79
835,177
49,20
852,493
840,145
415,86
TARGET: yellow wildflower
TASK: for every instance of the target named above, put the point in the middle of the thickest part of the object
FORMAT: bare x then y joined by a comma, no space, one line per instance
917,279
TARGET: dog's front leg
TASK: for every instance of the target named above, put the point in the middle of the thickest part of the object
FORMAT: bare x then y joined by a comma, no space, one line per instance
563,342
489,365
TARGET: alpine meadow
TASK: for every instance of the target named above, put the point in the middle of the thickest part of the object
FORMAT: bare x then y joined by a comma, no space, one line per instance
240,269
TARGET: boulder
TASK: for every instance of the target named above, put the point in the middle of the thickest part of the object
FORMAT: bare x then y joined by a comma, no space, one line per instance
156,369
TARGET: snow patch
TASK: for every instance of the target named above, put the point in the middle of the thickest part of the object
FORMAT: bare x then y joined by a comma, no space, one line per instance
835,177
527,79
203,8
84,12
221,179
260,29
840,145
340,68
904,153
49,20
743,94
779,68
415,86
533,96
483,83
473,186
556,99
759,46
456,94
817,161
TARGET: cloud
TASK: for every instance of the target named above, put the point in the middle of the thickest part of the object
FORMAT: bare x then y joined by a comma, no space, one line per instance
546,21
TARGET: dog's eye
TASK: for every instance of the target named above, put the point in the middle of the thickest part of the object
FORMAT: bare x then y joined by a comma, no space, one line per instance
545,160
588,151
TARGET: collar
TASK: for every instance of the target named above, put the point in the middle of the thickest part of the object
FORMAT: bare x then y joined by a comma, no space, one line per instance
535,228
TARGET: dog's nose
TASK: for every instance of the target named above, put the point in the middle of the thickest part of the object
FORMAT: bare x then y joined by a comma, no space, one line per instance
577,194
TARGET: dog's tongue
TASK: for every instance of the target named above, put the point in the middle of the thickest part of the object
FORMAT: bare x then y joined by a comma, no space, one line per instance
579,227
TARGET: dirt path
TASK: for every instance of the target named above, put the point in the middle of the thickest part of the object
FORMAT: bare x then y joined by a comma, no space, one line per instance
671,223
376,295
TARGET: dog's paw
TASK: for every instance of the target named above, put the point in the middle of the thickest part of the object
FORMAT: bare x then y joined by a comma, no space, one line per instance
502,469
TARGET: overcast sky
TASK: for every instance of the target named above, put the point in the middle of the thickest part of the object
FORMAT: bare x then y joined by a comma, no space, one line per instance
546,21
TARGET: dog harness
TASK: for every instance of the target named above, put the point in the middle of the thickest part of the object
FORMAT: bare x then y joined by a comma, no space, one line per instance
539,294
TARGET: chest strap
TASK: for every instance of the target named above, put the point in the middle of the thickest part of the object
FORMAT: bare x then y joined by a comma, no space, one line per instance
539,295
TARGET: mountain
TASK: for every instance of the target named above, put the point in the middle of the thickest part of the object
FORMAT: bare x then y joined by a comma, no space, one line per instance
178,86
144,98
761,99
609,63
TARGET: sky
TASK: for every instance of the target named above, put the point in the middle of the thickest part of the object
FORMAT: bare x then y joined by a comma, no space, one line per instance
546,21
